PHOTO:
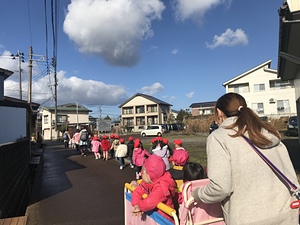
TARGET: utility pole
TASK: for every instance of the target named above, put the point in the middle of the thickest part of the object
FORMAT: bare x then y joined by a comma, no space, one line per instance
20,57
77,127
29,94
55,96
30,75
42,59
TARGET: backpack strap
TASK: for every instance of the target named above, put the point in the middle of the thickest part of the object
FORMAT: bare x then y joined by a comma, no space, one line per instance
295,189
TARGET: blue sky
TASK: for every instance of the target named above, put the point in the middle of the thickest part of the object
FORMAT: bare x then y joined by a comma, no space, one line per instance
180,51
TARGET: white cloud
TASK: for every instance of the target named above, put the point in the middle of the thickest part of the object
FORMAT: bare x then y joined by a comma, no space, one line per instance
195,9
190,95
151,90
172,98
229,38
174,51
153,48
70,90
112,29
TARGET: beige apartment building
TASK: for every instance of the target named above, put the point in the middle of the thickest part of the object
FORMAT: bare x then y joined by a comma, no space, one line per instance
142,110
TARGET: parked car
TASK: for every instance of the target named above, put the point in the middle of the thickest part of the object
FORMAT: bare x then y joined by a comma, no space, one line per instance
213,126
153,130
292,126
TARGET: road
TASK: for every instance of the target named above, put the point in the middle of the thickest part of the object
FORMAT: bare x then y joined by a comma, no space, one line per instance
71,189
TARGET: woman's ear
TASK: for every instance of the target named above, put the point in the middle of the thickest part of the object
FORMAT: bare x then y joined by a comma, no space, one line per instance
220,116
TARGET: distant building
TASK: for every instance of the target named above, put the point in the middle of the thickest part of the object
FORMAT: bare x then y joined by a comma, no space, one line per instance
69,115
142,110
203,108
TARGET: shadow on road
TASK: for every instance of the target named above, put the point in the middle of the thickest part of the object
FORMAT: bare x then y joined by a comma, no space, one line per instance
51,173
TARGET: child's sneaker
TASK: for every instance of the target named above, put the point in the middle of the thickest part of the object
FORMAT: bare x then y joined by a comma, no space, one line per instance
121,167
132,166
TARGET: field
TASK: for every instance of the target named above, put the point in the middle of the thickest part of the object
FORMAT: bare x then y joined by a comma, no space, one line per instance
195,144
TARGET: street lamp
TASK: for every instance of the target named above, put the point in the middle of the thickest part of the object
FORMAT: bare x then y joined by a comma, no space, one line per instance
20,57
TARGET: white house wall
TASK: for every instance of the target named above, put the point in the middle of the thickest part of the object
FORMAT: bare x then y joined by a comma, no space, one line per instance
49,132
263,76
82,118
46,127
13,124
137,101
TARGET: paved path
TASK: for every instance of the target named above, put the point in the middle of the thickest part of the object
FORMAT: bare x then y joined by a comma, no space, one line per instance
71,189
74,190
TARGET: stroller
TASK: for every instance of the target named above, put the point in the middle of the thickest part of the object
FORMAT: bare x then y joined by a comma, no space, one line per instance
194,213
191,213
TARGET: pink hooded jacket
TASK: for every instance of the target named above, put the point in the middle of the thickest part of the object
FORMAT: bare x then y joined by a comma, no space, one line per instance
162,188
139,155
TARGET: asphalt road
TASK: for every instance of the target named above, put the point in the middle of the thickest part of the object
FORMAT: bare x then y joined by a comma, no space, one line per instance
71,189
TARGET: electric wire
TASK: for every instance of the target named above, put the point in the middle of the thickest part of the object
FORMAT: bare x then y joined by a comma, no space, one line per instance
29,19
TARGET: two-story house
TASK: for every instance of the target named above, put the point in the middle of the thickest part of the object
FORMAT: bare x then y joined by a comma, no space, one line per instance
264,92
69,115
142,110
203,108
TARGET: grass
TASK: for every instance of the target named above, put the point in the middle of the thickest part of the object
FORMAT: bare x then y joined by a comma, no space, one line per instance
194,144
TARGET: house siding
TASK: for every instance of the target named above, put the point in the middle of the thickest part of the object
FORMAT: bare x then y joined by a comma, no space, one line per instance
263,75
70,119
150,112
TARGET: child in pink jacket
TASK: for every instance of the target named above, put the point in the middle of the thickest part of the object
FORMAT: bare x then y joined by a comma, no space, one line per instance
157,183
139,156
96,146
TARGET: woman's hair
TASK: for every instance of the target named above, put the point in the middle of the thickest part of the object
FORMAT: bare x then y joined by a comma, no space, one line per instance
233,104
141,145
158,143
298,176
193,171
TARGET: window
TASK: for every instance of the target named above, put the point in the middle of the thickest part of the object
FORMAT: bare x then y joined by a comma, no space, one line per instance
127,111
259,87
46,119
139,109
140,121
128,121
279,84
152,108
258,107
239,88
283,106
62,118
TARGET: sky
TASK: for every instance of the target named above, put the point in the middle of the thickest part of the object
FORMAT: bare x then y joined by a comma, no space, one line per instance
179,51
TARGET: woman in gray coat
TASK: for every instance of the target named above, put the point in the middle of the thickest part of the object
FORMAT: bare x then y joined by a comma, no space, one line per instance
249,190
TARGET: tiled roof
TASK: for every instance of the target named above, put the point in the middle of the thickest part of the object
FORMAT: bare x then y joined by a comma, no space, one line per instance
151,98
203,104
68,107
